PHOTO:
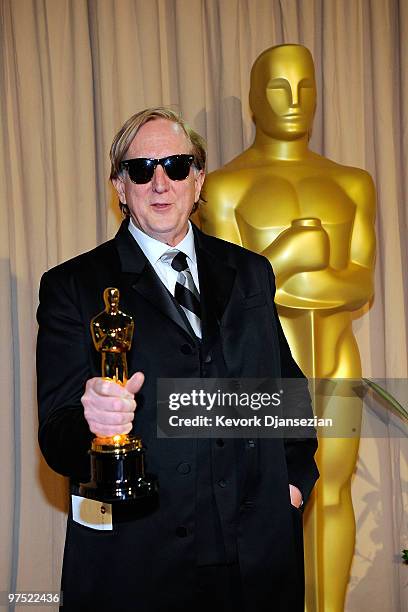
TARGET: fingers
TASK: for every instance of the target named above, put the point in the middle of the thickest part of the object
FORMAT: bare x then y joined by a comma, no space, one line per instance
109,408
295,496
108,388
135,383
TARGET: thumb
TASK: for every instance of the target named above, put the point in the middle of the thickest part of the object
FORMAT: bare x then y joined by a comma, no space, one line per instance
135,383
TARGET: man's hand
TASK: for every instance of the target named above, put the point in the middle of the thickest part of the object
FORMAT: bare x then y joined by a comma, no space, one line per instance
109,408
295,496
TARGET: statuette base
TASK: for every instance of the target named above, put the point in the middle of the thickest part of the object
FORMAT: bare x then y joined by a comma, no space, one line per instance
117,471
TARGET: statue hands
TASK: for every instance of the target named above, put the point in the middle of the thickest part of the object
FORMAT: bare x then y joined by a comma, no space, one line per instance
328,289
300,257
303,247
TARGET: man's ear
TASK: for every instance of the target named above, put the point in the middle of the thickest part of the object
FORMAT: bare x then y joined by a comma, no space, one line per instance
198,183
119,185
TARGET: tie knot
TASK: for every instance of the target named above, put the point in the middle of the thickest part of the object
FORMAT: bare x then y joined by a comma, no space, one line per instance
179,262
176,259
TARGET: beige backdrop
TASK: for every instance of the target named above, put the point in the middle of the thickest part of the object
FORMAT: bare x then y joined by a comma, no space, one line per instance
71,71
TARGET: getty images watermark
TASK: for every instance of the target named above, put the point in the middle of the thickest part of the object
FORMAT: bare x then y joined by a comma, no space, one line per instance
271,408
221,400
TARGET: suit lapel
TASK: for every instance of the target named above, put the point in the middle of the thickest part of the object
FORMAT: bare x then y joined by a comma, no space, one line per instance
215,276
139,276
216,282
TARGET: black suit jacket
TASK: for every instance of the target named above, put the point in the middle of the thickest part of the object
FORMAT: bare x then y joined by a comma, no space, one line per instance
151,559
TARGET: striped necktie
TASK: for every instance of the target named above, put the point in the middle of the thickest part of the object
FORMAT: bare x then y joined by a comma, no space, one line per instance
185,291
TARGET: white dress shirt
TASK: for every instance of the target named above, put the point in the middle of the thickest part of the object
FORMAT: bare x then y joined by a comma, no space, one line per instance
154,249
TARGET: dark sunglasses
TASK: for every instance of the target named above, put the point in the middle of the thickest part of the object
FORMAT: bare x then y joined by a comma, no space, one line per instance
141,169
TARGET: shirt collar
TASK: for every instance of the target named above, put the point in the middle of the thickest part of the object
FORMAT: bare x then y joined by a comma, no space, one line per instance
154,249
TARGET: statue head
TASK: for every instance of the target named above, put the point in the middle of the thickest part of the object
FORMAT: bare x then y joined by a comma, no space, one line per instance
111,298
283,92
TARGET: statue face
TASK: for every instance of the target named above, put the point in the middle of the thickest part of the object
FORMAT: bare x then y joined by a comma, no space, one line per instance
283,92
112,296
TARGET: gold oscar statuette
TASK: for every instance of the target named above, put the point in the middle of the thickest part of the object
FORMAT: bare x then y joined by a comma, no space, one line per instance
313,219
117,462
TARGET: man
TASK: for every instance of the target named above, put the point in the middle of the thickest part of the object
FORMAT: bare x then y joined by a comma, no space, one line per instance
227,532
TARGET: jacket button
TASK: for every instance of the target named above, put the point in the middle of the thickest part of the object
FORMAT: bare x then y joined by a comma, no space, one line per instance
181,531
222,483
220,442
184,468
186,349
208,359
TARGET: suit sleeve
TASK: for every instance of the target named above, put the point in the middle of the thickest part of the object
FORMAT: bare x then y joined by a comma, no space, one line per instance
62,370
299,452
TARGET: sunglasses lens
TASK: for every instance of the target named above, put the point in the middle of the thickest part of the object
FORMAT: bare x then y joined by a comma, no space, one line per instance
177,167
141,170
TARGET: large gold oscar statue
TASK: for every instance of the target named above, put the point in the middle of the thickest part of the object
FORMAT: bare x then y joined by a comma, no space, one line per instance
314,220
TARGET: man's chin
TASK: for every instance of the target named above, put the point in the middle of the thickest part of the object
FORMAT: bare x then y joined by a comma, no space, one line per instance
167,233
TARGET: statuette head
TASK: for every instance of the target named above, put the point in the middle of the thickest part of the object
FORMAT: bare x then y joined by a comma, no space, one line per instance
111,298
283,92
